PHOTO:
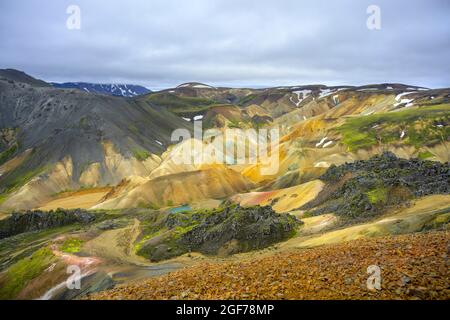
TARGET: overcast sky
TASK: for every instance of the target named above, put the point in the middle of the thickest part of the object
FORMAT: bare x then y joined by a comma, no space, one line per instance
161,44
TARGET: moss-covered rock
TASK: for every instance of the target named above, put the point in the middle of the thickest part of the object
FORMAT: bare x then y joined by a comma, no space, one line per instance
225,230
40,220
13,280
368,187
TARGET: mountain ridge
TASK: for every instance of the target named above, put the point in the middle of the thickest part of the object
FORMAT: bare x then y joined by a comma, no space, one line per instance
121,90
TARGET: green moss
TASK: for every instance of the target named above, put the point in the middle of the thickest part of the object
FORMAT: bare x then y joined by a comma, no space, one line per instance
180,105
25,270
147,236
419,125
307,214
17,178
133,129
377,195
169,203
149,205
8,153
141,154
72,245
180,230
440,222
425,155
246,99
235,124
83,123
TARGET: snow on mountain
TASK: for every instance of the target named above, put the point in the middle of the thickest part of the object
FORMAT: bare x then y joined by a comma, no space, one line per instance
121,90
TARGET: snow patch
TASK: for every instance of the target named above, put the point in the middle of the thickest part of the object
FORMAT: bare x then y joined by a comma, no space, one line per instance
202,86
326,92
199,117
322,164
304,94
400,100
327,144
321,141
367,89
336,99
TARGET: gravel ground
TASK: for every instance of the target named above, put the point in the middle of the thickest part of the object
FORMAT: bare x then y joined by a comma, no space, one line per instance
412,267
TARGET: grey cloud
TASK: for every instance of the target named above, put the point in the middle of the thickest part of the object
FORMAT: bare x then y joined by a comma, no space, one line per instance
255,43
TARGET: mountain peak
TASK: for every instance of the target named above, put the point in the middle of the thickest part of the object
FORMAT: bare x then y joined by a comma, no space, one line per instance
20,76
195,85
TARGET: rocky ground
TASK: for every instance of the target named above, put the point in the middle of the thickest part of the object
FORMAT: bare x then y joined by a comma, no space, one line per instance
20,222
412,267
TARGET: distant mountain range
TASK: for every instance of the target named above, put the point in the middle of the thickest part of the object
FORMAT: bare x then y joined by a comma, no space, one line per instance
121,90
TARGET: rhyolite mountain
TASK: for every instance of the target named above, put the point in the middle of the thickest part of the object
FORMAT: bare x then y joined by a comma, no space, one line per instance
121,90
55,139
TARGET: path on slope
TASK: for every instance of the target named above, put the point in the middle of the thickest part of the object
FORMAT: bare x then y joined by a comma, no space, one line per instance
117,245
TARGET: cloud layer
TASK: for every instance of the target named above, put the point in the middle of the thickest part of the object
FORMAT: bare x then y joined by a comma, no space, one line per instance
229,42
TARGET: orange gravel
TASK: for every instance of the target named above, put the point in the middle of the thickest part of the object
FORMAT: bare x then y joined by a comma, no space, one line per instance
412,267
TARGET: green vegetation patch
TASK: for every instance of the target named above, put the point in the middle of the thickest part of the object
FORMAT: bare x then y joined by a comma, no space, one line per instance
22,245
422,126
245,100
8,153
22,272
179,104
377,195
17,178
425,155
72,245
149,205
141,154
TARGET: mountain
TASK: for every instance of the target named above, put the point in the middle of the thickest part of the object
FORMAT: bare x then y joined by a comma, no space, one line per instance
20,76
120,90
52,138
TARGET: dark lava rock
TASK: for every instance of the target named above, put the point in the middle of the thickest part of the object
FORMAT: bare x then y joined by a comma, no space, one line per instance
239,229
40,220
226,230
367,187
